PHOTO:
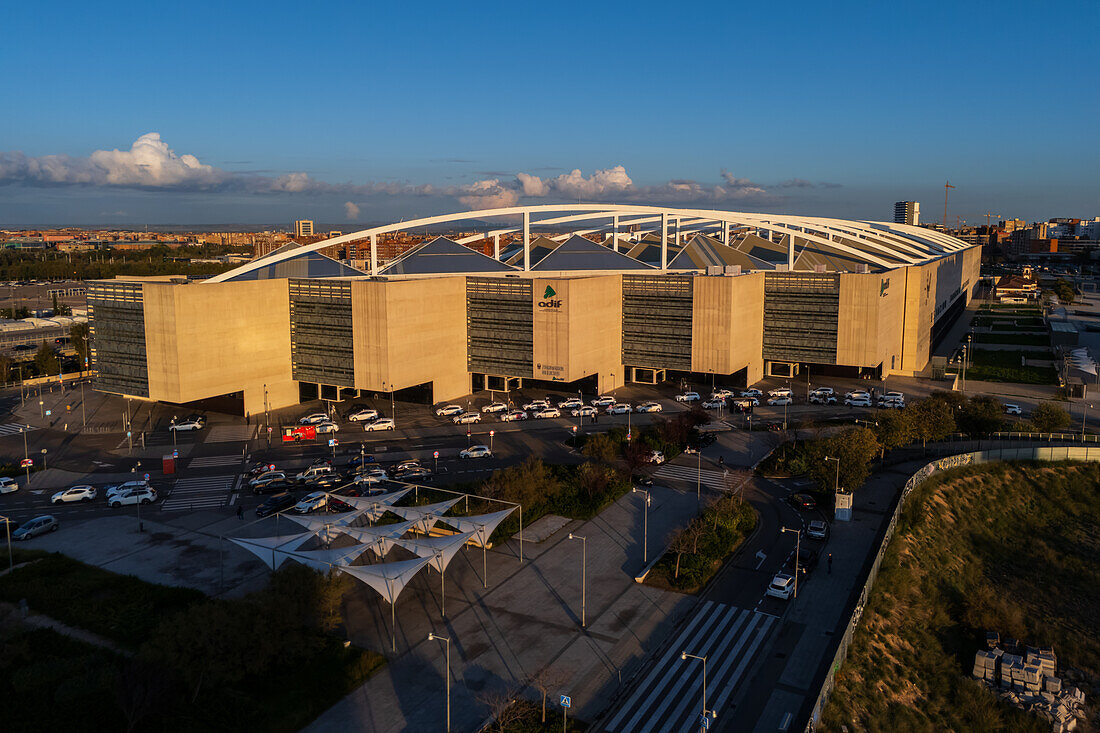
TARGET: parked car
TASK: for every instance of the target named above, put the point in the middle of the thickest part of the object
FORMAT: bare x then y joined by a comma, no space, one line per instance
327,427
894,396
364,415
802,501
817,529
275,487
688,397
548,412
584,411
782,586
649,407
403,467
513,416
602,401
752,393
858,401
779,401
570,404
383,423
476,451
891,403
1011,409
656,457
8,485
35,527
266,478
361,461
857,394
746,403
466,418
74,493
127,486
535,405
713,404
313,472
721,394
807,561
276,503
260,467
314,418
824,392
822,399
619,408
780,392
185,426
495,407
450,410
311,502
145,495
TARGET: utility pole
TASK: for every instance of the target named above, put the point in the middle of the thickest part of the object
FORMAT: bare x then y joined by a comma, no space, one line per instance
946,188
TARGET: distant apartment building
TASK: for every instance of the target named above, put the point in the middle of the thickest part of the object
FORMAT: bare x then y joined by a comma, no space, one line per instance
303,228
907,212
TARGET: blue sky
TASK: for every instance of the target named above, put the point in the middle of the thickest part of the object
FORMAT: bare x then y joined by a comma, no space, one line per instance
297,110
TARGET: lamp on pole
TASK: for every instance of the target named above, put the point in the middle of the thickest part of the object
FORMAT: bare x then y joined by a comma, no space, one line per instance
26,455
797,549
11,557
447,672
836,487
1084,413
964,369
645,521
706,713
584,573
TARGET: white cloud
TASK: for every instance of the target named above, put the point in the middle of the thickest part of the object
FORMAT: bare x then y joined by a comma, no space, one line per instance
351,210
532,185
487,194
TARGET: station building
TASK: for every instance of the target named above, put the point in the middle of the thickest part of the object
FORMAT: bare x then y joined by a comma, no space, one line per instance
729,299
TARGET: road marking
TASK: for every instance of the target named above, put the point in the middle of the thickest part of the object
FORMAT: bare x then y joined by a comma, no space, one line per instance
230,433
14,429
202,492
210,461
711,479
760,554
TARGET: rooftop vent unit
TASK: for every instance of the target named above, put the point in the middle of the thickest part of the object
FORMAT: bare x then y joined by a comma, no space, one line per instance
733,269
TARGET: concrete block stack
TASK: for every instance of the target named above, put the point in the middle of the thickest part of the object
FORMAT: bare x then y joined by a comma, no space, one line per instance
986,666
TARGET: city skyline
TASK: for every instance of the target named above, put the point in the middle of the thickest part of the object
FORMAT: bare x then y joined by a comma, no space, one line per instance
241,118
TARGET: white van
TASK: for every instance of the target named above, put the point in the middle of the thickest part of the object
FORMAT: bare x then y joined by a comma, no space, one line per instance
313,472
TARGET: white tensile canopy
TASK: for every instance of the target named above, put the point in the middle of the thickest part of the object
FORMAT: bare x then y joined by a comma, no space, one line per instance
327,524
380,537
481,525
325,560
426,516
439,551
388,579
272,550
375,506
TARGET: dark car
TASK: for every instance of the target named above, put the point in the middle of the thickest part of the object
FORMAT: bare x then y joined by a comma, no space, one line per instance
807,561
260,468
358,462
325,481
276,503
642,480
802,501
275,486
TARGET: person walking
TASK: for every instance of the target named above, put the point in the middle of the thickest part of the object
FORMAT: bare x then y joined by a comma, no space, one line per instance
830,563
240,516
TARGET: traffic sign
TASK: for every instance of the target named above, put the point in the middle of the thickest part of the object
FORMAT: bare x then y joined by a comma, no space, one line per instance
269,428
628,434
26,463
271,467
492,433
128,434
704,721
175,454
574,428
435,454
146,477
49,412
333,442
566,701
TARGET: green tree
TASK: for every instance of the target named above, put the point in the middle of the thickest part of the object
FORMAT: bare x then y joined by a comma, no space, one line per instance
855,447
1064,290
46,360
5,368
530,483
895,428
600,447
1049,418
933,419
980,416
78,334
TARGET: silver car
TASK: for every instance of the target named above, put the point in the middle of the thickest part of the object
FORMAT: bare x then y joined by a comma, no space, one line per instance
35,527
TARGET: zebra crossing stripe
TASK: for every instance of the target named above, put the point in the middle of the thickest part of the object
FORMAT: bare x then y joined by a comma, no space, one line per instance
210,461
15,428
713,479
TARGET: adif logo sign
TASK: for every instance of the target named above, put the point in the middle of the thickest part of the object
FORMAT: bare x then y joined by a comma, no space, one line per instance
548,299
883,286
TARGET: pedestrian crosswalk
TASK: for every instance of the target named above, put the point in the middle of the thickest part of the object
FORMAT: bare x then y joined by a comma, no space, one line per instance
712,479
13,428
668,695
207,492
210,461
230,433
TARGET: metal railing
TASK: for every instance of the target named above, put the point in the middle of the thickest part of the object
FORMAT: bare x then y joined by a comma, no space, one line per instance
1029,453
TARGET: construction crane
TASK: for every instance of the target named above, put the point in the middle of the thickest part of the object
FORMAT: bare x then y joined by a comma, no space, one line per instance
987,215
946,187
959,221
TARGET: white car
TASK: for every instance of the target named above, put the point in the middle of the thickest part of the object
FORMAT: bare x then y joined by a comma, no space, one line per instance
450,410
861,401
822,399
311,502
185,426
327,427
688,397
466,418
313,472
745,402
494,407
650,407
570,404
891,403
377,473
817,529
382,423
146,495
75,493
265,478
1013,410
782,586
894,396
720,394
713,404
8,485
364,415
824,391
779,400
751,393
536,405
584,411
119,488
513,416
619,408
548,412
656,457
858,393
602,401
313,419
476,451
780,392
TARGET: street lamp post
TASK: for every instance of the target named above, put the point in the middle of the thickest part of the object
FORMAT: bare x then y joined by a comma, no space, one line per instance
645,522
11,556
1084,413
584,573
797,549
172,429
699,476
964,369
706,713
26,455
836,486
447,672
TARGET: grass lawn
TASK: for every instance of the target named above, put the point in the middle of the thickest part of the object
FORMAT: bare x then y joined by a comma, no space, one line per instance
1004,366
1010,547
722,528
1017,339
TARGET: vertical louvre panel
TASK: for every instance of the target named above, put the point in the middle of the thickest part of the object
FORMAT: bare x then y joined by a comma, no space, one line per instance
801,313
321,348
657,321
499,326
116,315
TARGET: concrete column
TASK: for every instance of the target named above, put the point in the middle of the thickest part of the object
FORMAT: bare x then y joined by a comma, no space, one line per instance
526,241
374,254
726,233
677,231
664,240
615,232
496,247
790,251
